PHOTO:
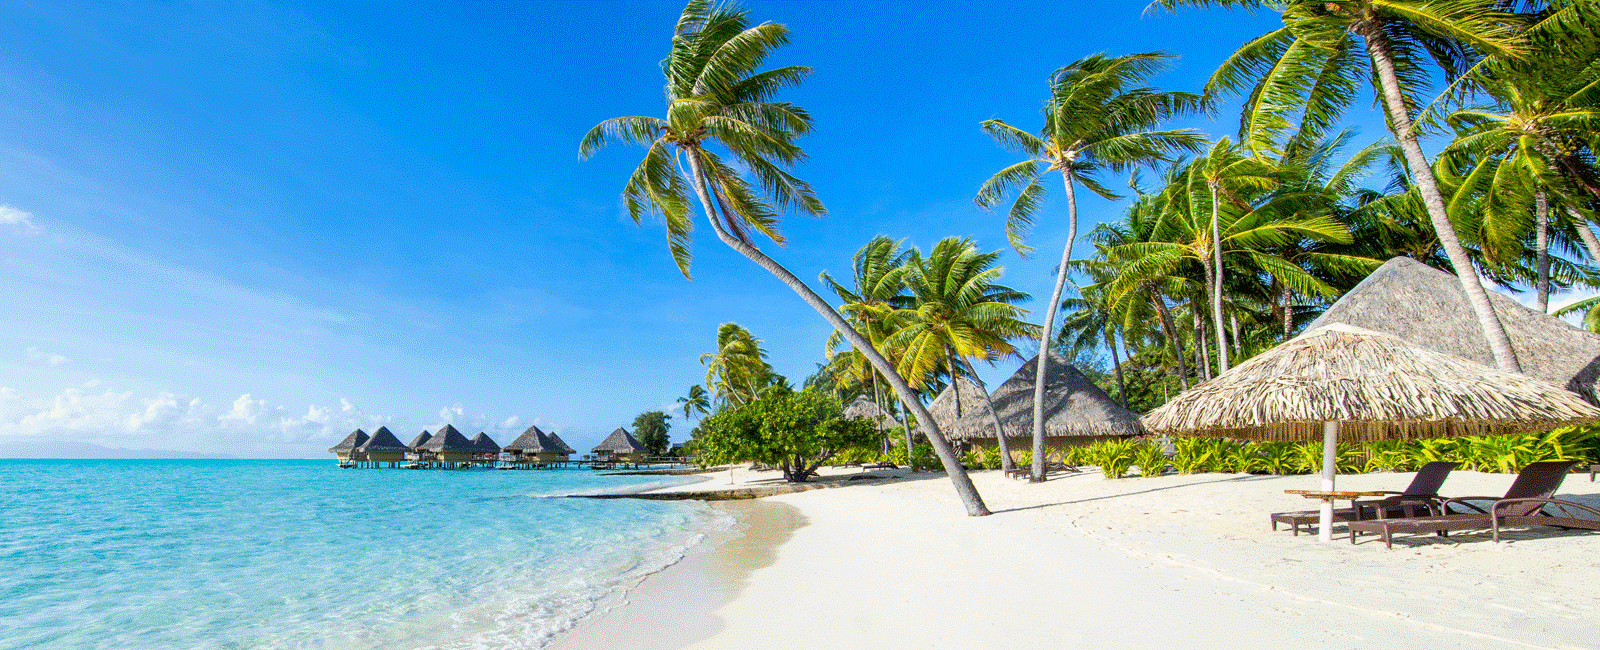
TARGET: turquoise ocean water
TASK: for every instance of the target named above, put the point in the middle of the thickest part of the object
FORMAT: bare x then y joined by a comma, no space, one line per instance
300,554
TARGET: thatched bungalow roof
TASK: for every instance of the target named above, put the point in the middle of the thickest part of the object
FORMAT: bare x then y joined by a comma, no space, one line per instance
350,442
560,446
449,439
485,444
619,442
1427,307
1376,385
943,407
532,441
1073,406
420,440
866,409
383,441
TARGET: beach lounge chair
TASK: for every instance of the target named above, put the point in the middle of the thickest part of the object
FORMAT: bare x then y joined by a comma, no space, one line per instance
1050,467
1418,498
1524,502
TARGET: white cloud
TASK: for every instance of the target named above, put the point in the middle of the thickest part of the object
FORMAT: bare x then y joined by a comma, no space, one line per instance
249,427
510,422
34,354
450,413
21,220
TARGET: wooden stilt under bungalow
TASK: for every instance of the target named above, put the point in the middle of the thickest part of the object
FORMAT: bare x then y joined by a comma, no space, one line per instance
346,449
382,448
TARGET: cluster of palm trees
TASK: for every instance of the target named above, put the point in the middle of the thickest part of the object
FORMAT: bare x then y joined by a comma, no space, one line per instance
1240,242
1241,239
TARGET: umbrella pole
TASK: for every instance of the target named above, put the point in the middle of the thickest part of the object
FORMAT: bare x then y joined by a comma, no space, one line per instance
1330,442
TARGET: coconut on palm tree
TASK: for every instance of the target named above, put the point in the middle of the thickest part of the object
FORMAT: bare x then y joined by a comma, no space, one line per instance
1098,117
727,142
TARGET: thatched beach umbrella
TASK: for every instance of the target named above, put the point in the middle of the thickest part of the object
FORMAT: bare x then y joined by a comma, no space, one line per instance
866,409
1074,407
1344,380
1428,307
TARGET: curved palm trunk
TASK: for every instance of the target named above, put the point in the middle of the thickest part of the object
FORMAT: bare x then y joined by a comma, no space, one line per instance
1006,463
905,426
967,492
1170,330
1405,134
1584,232
1049,330
1541,248
1215,271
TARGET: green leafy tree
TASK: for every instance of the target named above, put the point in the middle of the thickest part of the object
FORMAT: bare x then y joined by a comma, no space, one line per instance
1098,118
718,103
795,431
651,430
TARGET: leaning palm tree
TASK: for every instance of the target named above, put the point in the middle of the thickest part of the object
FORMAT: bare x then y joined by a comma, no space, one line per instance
718,101
1313,64
1097,118
959,313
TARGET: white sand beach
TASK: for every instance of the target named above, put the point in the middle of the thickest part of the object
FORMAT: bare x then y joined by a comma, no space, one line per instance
1130,563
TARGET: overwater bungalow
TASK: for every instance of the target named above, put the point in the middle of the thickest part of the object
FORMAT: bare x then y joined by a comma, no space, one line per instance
347,448
619,447
537,448
486,448
449,448
383,447
416,449
564,450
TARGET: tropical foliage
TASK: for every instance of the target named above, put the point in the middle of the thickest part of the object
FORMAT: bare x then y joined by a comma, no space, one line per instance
794,431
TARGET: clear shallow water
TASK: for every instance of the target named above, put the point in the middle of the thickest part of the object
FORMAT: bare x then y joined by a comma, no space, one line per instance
300,554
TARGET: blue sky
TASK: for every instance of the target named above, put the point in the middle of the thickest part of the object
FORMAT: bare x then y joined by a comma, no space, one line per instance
250,227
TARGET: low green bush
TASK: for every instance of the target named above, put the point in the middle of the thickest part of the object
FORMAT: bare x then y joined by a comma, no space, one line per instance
1150,458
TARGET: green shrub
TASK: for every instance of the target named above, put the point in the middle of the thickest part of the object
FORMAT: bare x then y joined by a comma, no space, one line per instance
1150,458
1240,457
1283,458
1195,455
1073,456
1114,457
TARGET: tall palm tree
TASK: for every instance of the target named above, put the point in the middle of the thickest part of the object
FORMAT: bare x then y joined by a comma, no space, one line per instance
1536,149
1098,118
1229,175
716,98
960,313
1129,284
1310,67
879,272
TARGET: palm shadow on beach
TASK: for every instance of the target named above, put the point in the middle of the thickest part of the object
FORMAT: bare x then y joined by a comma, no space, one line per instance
1107,497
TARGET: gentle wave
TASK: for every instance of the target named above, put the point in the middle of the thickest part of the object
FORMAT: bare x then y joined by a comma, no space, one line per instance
298,554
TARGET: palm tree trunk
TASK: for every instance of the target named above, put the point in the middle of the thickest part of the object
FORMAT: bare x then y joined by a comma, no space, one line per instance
1116,362
1237,334
965,490
1584,232
1541,249
1006,463
905,425
1048,332
1202,349
1405,133
1170,330
1214,270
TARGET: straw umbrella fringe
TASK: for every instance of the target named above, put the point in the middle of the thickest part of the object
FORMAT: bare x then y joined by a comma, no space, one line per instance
1371,386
